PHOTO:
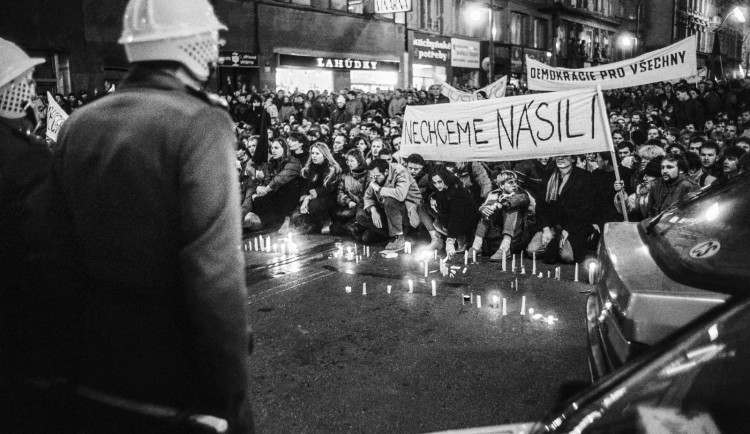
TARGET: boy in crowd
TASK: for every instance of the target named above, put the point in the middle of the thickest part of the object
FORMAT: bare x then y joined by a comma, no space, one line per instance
508,207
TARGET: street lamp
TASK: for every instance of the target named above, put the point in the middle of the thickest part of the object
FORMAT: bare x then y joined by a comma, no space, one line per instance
716,51
475,13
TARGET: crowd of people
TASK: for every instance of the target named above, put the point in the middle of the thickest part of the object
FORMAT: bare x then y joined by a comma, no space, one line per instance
333,166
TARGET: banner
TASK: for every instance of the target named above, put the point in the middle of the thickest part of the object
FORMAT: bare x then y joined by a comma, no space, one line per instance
673,62
511,128
494,90
699,76
56,117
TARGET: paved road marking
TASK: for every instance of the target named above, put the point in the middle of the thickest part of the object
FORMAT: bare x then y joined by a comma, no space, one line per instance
322,274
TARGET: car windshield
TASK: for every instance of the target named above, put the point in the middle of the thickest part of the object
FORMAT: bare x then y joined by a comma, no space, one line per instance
705,242
700,384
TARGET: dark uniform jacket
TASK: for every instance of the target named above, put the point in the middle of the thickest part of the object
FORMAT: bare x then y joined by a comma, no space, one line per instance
149,175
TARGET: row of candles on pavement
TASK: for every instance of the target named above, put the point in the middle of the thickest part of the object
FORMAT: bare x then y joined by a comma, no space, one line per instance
259,244
354,256
471,298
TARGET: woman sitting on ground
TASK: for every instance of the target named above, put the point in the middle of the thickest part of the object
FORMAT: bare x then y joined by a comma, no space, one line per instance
321,175
456,209
277,194
351,191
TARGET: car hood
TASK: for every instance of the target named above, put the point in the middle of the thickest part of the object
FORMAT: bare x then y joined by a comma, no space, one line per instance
648,304
514,428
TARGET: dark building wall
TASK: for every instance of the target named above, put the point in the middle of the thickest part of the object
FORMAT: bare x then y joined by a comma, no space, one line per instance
307,31
659,24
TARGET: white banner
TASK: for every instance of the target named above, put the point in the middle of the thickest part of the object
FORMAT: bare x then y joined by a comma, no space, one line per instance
511,128
56,117
494,90
673,62
391,6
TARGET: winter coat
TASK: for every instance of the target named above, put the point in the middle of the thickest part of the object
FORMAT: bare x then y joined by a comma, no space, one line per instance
456,210
574,210
352,188
665,194
399,185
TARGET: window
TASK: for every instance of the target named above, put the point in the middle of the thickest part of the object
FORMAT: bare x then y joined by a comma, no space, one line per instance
562,39
539,34
431,15
518,28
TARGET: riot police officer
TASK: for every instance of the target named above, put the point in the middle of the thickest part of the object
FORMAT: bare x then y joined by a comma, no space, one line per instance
37,338
148,173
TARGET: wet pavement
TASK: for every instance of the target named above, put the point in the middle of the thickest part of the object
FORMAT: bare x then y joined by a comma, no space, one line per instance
329,361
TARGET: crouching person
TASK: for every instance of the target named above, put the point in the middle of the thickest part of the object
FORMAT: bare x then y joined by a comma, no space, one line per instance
390,204
507,208
456,209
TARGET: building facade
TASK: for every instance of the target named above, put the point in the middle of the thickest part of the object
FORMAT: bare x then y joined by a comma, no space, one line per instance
335,44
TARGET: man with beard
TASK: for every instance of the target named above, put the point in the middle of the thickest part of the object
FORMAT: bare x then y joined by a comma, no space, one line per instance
673,185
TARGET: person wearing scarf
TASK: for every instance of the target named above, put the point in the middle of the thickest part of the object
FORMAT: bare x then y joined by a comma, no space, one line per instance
567,214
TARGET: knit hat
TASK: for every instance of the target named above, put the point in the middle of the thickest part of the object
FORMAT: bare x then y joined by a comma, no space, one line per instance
653,167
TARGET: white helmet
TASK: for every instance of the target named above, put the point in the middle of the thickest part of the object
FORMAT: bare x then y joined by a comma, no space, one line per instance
16,83
184,31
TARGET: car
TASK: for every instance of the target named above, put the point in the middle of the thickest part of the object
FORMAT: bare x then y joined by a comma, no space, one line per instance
695,380
655,276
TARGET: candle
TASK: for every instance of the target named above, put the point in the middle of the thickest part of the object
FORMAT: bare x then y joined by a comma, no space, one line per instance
513,264
592,268
511,284
348,289
255,244
466,257
557,273
262,246
435,253
355,248
523,270
523,305
533,263
367,249
494,301
479,301
407,247
516,284
357,259
464,270
388,289
411,286
503,260
268,243
474,256
426,268
434,289
531,311
547,274
541,275
505,307
464,298
575,276
364,289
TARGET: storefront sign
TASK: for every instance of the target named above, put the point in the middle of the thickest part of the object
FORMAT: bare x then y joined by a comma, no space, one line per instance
338,63
673,62
238,59
430,50
391,6
510,128
464,53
